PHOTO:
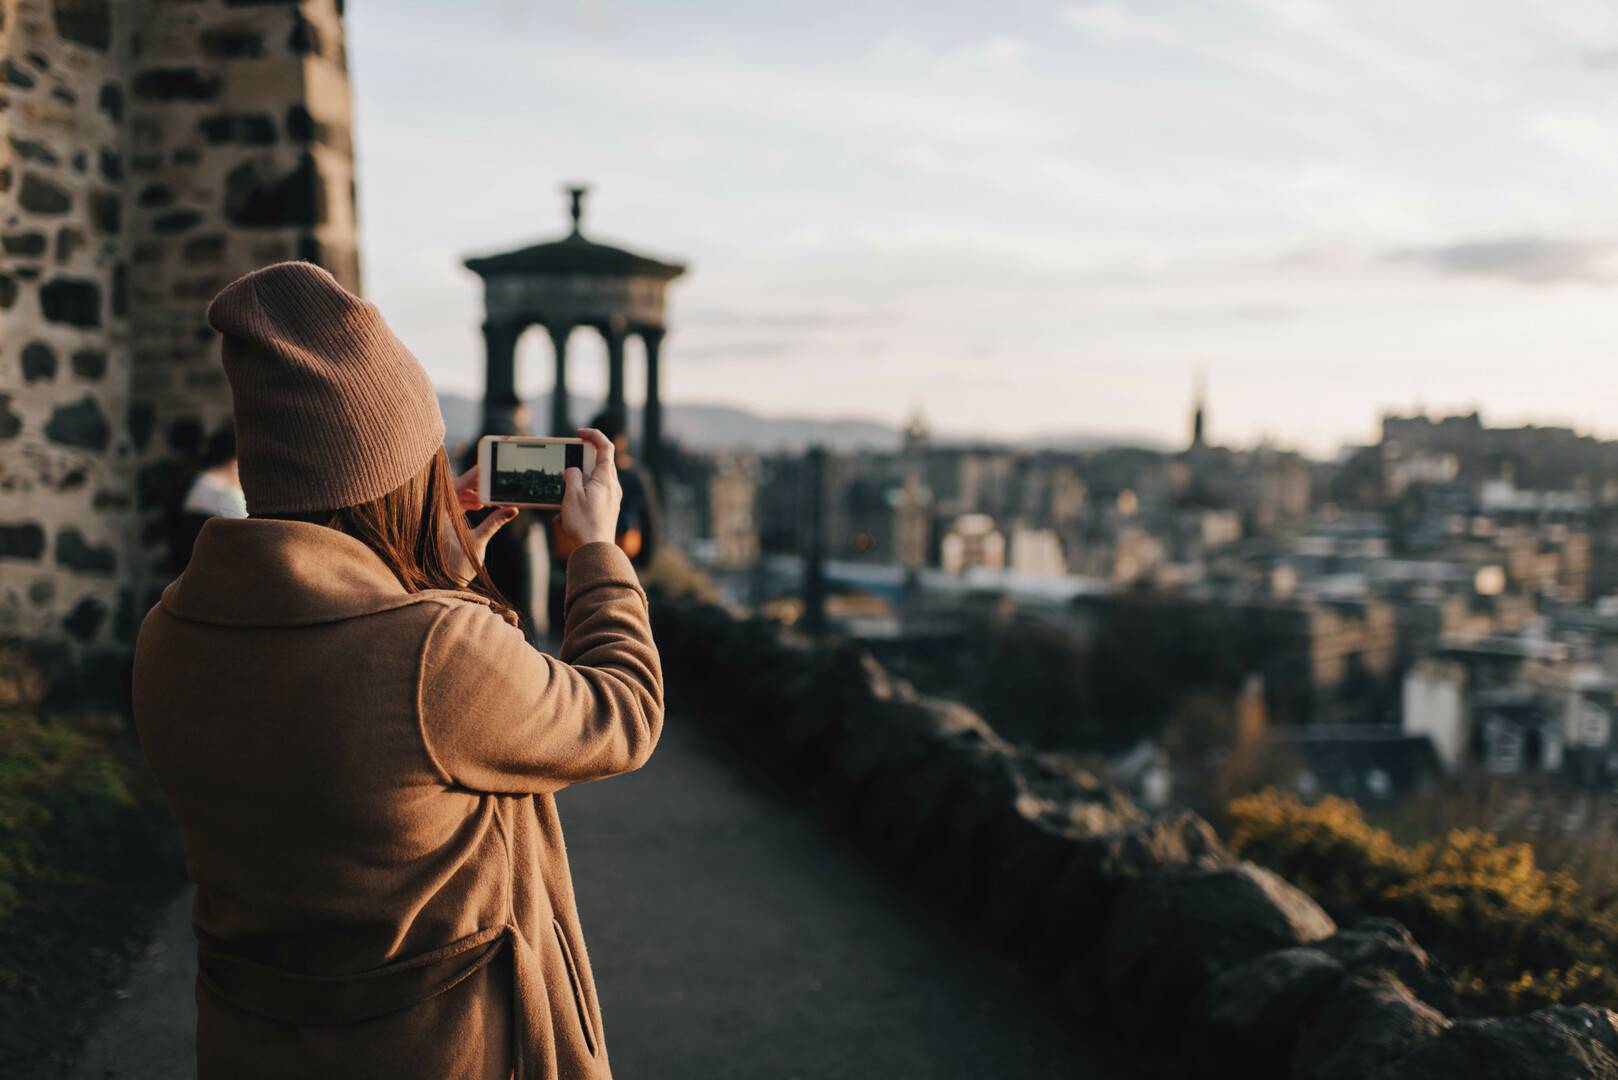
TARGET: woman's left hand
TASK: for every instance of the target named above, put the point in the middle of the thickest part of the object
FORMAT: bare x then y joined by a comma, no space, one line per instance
466,494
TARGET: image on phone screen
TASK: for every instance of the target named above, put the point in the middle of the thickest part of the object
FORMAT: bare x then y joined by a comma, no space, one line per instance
532,472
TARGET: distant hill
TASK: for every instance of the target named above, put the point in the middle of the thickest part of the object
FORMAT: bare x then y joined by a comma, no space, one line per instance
727,427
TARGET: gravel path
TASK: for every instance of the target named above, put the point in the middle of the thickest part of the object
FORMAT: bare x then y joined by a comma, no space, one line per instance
731,937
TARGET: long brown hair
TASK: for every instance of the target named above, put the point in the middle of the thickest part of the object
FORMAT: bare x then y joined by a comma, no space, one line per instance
402,528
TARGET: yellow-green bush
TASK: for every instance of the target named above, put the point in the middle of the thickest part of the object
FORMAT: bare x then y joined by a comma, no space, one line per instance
1517,935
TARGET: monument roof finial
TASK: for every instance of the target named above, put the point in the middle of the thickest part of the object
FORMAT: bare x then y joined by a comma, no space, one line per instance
576,194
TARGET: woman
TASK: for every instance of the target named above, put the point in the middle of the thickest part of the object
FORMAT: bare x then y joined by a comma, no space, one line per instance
358,742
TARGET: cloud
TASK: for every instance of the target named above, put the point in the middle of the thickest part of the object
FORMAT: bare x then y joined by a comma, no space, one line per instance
1601,59
1530,260
1114,22
725,350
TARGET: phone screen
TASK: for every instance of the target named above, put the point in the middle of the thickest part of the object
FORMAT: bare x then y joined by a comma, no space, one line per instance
532,472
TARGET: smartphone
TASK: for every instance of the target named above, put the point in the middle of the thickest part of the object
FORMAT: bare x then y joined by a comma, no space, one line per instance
526,470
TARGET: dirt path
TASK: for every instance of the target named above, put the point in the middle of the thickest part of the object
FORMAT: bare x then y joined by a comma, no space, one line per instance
731,937
150,1032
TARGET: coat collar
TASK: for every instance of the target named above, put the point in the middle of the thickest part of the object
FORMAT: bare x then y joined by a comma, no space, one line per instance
270,572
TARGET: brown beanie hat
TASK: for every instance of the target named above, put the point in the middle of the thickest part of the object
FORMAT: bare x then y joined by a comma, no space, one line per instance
331,408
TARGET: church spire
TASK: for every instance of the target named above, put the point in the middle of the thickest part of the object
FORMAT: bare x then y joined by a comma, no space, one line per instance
1199,410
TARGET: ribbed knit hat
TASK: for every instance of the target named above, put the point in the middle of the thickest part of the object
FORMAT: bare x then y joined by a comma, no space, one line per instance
331,408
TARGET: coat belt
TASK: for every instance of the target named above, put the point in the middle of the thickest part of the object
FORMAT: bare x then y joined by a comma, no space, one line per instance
294,997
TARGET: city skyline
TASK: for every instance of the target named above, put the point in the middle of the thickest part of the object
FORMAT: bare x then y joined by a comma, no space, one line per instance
1042,218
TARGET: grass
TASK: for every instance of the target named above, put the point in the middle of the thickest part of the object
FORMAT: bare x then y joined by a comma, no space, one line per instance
85,855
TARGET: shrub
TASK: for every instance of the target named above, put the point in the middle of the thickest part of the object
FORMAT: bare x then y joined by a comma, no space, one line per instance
1518,936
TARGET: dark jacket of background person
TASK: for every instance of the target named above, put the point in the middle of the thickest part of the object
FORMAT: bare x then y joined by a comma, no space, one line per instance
183,517
364,779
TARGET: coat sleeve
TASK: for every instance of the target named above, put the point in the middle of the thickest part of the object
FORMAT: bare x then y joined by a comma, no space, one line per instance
498,715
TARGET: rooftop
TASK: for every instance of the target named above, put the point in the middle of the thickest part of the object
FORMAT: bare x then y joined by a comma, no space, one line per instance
574,254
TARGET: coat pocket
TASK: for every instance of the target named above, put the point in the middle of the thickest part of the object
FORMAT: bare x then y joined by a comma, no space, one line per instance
580,1005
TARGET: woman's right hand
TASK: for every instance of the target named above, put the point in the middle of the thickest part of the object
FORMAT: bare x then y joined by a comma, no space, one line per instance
590,507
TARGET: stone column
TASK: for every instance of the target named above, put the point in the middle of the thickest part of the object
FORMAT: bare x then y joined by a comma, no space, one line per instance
500,377
561,423
613,331
651,447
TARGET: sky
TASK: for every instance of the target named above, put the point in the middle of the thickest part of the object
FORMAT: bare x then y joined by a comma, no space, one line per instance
1021,218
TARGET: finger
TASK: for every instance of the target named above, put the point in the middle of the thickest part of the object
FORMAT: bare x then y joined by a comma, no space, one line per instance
572,481
491,524
466,489
603,445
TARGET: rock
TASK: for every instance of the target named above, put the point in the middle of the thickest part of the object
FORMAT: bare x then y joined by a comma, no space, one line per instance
10,421
25,243
1551,1044
1073,794
154,195
304,37
111,101
176,221
69,241
246,129
256,196
232,42
207,248
897,805
76,553
1374,944
71,300
981,809
79,424
1369,1024
41,196
176,84
25,540
14,74
33,150
38,362
1031,857
1171,933
85,620
301,126
89,364
140,419
106,211
84,22
1251,1013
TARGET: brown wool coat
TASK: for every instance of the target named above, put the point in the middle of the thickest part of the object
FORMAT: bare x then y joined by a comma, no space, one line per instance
363,778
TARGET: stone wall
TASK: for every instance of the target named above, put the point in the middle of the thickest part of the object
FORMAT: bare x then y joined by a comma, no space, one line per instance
67,470
150,151
1194,963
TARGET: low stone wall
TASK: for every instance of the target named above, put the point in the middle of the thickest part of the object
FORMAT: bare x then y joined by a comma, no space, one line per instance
1199,963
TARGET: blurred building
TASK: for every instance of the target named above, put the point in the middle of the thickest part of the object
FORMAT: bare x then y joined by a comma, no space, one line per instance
733,525
153,152
972,540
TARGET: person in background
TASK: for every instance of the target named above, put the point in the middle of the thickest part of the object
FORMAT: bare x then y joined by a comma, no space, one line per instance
637,514
215,491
